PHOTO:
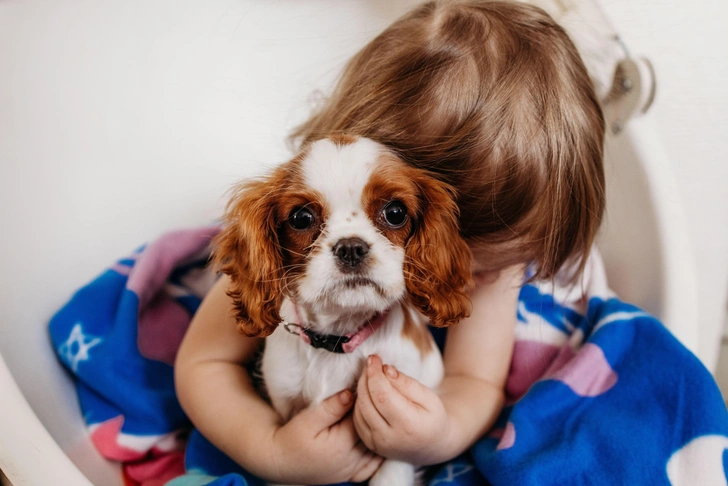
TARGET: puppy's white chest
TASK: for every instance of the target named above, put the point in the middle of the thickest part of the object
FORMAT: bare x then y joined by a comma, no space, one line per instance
297,375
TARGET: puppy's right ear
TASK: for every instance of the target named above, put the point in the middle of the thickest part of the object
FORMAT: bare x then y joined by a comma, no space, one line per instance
247,250
437,260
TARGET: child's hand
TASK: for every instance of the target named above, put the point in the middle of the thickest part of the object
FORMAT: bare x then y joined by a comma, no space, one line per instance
398,417
320,446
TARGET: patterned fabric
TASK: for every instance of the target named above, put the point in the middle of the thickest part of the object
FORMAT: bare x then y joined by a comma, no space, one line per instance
599,391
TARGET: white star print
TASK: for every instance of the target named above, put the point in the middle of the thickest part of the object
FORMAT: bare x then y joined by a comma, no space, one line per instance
77,337
452,471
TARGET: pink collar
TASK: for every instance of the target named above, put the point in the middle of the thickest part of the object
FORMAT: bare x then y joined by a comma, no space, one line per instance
336,344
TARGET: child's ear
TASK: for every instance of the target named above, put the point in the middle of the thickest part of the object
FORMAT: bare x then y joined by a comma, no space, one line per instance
437,263
247,250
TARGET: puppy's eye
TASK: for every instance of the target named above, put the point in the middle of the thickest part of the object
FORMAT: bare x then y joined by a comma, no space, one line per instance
395,214
301,218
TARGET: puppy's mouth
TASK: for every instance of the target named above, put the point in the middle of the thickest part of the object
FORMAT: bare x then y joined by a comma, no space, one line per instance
359,282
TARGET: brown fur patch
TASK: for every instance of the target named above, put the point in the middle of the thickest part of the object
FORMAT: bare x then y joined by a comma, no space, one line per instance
415,330
247,250
342,139
259,249
390,182
437,263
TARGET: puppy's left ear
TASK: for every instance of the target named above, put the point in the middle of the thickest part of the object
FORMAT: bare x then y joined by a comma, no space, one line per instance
438,262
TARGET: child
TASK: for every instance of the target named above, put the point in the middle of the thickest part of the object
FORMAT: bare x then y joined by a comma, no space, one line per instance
493,98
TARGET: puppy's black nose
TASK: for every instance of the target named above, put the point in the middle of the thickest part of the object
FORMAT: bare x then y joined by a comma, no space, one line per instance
351,251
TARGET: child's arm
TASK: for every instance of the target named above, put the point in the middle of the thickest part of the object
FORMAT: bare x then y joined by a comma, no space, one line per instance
400,418
317,446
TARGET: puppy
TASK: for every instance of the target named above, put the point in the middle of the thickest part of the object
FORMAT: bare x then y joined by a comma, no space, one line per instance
344,252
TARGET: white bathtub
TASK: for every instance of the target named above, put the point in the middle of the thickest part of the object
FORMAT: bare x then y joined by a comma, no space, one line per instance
120,121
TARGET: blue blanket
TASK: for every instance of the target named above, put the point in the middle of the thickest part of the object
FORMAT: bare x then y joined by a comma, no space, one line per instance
599,391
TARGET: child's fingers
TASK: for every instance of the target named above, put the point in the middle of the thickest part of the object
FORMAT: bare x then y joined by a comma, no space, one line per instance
387,399
363,427
408,386
367,466
363,430
366,408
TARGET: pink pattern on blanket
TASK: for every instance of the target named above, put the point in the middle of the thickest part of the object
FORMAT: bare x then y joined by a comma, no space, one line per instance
508,438
161,328
586,370
162,321
588,374
159,259
153,463
105,438
530,361
157,471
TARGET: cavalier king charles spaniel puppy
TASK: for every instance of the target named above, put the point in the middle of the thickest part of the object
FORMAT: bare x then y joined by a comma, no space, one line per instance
344,252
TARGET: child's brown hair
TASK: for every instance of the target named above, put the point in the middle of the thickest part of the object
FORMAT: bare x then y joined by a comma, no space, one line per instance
493,98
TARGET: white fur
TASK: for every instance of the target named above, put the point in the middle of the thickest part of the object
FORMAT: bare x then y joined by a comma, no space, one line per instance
296,374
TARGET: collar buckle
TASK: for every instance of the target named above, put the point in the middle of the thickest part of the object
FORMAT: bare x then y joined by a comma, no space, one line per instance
329,342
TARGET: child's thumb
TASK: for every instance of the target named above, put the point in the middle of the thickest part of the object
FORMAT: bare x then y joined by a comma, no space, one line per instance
331,410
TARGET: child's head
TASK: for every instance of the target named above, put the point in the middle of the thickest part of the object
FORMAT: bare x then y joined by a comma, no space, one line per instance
493,98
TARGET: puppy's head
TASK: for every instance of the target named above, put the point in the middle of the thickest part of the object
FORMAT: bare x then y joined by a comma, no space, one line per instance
346,226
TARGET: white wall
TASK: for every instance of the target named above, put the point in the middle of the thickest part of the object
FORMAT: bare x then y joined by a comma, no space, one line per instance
687,41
